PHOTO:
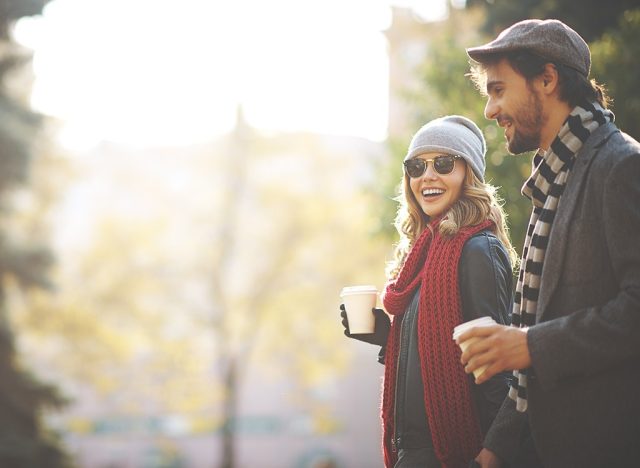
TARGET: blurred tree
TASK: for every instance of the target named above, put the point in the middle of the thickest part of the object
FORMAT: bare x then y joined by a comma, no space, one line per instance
121,324
591,18
24,440
612,30
277,265
615,63
231,271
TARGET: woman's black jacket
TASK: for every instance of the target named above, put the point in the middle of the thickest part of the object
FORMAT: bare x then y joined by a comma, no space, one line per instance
486,288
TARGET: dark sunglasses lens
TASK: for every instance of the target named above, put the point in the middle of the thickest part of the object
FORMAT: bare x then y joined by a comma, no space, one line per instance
415,167
444,164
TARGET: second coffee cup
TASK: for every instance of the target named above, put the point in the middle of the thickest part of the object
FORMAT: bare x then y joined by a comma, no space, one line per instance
463,327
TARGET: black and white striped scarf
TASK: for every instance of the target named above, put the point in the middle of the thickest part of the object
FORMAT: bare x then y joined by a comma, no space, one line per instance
544,188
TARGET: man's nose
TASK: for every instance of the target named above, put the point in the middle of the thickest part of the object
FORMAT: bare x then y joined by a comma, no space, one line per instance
491,110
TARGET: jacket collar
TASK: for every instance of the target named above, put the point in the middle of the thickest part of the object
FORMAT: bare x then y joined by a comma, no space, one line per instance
555,255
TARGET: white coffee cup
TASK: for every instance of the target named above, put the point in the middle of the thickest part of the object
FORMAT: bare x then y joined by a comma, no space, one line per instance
463,327
359,302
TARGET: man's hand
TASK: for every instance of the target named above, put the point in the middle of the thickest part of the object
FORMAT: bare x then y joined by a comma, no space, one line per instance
502,347
380,332
487,459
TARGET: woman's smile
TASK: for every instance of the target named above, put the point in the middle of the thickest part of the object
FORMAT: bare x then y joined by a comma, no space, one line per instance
435,192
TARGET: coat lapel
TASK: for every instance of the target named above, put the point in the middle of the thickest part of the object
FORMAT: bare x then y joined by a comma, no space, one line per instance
554,256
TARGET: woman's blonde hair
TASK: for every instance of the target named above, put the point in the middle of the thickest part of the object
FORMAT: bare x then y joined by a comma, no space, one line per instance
477,202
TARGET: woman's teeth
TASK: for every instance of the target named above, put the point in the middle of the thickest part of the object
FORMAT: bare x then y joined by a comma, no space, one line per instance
431,192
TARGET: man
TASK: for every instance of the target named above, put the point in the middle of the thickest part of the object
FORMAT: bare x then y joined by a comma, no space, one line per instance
575,338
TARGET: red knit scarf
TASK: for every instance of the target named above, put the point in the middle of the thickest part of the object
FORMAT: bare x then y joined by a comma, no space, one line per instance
432,265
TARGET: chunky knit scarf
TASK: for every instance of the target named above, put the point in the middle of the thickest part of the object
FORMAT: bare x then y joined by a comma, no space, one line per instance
432,266
544,188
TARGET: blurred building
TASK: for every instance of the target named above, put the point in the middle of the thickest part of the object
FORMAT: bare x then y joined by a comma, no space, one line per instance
411,40
408,40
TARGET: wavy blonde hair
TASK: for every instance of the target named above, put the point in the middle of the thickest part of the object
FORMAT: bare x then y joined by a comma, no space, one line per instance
477,202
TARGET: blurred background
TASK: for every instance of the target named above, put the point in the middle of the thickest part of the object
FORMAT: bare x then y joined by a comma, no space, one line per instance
186,186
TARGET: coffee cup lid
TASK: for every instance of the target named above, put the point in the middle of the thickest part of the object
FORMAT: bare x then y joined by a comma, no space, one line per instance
348,290
479,322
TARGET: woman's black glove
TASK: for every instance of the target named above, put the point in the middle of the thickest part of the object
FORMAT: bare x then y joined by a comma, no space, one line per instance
380,331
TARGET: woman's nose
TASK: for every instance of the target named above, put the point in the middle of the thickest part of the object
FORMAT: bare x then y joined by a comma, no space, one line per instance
430,173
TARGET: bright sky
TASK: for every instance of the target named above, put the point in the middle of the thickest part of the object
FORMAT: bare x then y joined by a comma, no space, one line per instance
153,72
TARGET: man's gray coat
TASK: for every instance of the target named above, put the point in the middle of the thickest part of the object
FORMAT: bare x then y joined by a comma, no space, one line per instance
584,397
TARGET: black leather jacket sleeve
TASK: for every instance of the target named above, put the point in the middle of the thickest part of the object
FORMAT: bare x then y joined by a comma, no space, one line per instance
486,288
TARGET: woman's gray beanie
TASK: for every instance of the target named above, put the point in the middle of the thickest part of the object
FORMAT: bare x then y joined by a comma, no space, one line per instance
455,135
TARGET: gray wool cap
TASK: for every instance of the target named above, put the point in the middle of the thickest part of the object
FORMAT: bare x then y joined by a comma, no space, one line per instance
452,134
550,39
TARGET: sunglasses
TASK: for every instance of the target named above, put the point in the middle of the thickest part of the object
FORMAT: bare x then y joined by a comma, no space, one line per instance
443,165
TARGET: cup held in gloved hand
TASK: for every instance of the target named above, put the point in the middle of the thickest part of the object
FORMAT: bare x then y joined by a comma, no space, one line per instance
359,302
381,329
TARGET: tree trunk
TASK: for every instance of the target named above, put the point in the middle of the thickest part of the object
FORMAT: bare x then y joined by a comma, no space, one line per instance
228,431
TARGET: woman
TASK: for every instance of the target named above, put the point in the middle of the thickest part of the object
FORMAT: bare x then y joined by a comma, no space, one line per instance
452,264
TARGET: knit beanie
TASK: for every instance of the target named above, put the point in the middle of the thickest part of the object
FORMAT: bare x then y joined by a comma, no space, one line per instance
452,134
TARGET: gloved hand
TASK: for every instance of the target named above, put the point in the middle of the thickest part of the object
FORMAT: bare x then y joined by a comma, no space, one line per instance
380,331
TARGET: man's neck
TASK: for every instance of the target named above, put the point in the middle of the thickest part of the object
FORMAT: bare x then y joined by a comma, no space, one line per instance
556,115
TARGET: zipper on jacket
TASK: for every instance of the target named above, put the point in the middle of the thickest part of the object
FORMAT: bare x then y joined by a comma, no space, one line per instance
394,436
405,329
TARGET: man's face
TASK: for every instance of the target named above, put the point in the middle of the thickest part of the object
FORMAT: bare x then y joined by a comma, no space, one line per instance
515,105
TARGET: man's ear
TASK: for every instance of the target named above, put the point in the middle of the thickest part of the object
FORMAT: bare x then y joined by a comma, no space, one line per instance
549,79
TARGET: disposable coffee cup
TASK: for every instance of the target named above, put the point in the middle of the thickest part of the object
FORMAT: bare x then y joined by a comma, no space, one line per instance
463,327
359,302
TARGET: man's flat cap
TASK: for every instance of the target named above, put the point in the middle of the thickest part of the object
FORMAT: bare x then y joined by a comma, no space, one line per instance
550,39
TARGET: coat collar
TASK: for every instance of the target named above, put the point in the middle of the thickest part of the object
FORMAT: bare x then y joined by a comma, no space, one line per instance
554,257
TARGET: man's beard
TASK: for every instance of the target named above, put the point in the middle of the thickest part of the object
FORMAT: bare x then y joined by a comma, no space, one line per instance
526,133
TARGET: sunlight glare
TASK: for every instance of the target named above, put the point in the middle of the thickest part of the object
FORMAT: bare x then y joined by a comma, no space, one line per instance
154,72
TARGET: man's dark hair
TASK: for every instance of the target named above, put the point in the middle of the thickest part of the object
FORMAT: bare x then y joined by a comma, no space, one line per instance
574,87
